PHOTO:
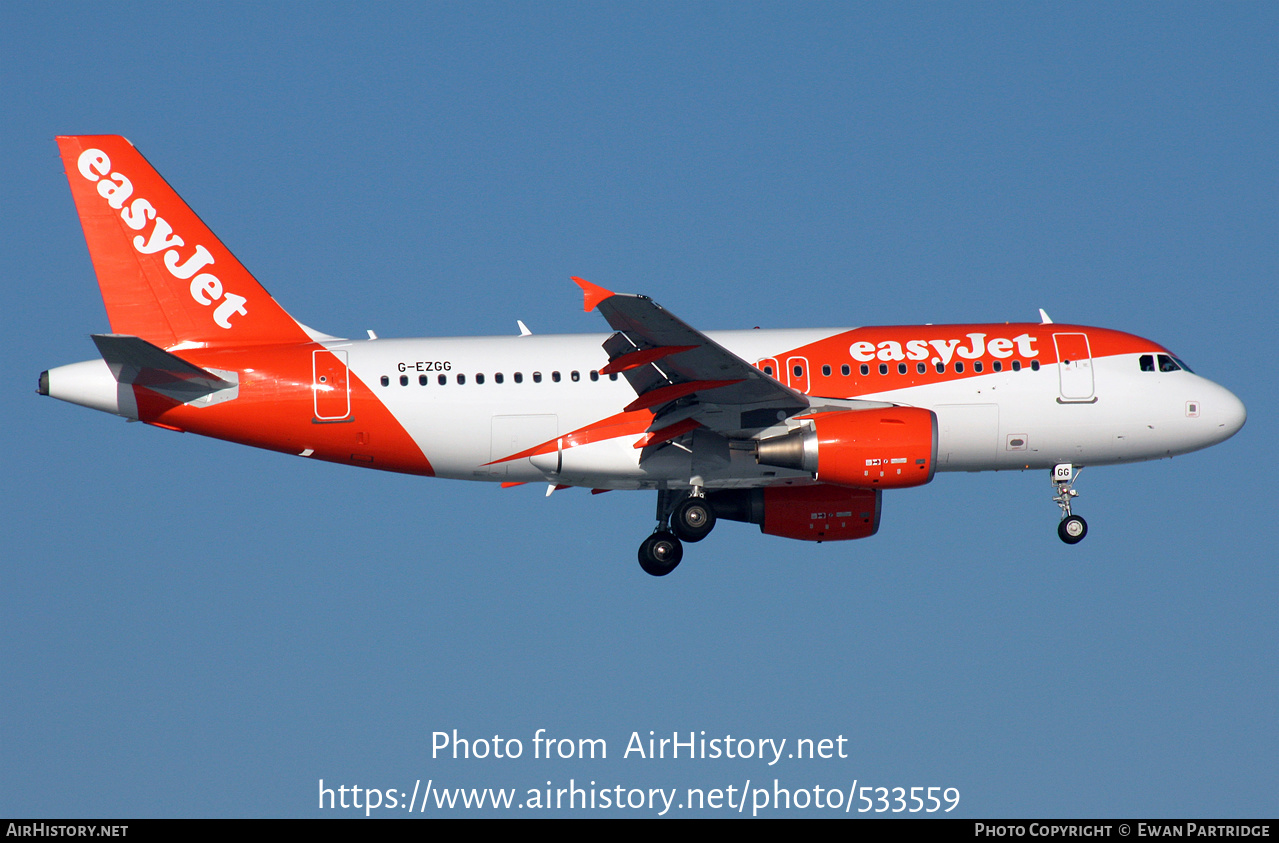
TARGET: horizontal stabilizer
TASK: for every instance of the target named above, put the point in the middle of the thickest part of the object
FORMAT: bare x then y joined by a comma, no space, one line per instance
134,361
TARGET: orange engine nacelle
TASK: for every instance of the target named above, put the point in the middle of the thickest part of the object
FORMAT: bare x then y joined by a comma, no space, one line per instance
868,449
817,513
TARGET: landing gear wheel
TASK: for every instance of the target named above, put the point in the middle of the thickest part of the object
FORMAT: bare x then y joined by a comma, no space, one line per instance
693,519
660,553
1072,529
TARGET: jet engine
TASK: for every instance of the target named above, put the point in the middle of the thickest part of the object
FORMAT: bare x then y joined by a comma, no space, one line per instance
810,513
889,448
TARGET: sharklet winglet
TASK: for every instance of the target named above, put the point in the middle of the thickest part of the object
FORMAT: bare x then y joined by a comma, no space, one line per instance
592,294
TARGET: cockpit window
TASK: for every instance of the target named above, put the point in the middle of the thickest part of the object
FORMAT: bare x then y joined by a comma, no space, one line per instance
1182,364
1147,362
1167,363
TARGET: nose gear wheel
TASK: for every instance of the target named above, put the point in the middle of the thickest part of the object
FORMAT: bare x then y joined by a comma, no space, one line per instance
1072,528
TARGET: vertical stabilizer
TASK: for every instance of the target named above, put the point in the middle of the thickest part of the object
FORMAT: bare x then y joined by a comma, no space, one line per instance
164,276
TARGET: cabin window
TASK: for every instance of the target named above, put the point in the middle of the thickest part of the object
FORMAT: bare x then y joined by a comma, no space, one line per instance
959,367
1034,365
386,381
901,368
977,367
845,371
826,371
799,371
575,376
594,375
555,376
519,377
461,379
997,366
497,377
768,370
421,380
479,378
941,367
537,377
404,380
613,376
1016,365
921,367
865,370
443,379
883,368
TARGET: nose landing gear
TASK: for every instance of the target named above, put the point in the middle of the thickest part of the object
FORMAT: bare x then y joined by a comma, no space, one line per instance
1072,528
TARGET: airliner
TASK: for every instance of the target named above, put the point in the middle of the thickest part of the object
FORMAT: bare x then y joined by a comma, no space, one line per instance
798,431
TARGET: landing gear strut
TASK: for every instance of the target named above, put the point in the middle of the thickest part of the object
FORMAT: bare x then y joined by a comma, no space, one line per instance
686,516
1072,528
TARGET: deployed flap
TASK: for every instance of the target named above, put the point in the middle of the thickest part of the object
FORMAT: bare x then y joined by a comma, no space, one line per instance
665,360
136,362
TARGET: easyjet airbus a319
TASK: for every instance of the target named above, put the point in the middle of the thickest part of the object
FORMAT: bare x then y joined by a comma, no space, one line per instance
799,431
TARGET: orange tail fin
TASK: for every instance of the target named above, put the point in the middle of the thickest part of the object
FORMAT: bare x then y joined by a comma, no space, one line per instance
164,276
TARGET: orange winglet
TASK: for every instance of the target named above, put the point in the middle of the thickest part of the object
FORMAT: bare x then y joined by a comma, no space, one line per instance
676,390
666,434
645,355
593,294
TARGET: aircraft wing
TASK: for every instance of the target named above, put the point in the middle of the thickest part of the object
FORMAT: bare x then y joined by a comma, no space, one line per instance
683,376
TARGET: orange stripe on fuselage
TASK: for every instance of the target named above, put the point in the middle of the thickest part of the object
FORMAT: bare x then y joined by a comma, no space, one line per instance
275,410
630,423
945,344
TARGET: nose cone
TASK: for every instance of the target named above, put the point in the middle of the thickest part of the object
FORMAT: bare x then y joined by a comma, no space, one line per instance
1234,414
1225,412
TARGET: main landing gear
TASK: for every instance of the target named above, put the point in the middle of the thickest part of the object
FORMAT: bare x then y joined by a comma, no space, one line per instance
1072,528
681,516
660,553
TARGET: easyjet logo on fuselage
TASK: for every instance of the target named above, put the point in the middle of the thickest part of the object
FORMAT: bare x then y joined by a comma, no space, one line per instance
977,346
117,189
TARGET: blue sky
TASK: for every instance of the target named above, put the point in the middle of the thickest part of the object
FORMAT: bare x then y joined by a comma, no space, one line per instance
191,628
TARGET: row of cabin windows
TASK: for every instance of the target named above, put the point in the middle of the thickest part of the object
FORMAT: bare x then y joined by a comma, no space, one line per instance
921,368
498,377
1166,363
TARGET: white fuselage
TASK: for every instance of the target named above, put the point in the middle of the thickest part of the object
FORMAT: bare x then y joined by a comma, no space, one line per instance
993,421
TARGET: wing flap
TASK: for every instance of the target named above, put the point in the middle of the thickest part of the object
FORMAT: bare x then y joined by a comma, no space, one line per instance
633,359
